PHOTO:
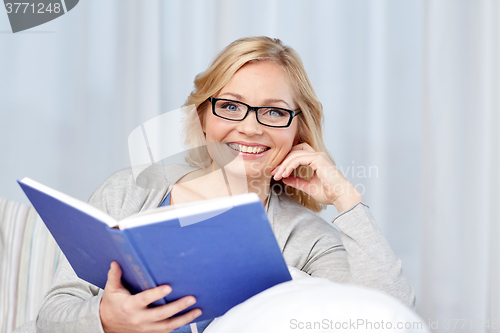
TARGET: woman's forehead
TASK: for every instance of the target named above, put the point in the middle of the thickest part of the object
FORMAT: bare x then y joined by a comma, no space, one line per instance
260,82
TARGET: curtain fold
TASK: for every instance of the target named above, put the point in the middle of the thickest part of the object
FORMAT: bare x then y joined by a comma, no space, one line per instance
460,155
494,175
73,89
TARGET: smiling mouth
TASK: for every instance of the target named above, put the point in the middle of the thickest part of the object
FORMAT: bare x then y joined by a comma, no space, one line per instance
247,149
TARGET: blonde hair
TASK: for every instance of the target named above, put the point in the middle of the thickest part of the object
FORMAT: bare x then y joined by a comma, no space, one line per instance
227,63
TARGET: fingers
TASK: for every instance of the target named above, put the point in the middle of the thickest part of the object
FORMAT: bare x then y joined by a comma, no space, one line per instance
278,171
298,183
122,312
184,319
143,299
114,282
303,146
313,159
167,325
171,309
292,162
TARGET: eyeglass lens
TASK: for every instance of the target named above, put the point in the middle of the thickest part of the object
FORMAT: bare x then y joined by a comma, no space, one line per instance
236,111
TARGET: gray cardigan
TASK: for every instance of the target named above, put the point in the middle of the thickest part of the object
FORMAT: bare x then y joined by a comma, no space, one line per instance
358,254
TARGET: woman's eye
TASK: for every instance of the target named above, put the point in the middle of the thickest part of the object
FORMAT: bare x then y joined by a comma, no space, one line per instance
230,107
275,113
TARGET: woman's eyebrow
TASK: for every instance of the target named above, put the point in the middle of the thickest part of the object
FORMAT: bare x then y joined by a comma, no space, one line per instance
269,101
236,96
266,102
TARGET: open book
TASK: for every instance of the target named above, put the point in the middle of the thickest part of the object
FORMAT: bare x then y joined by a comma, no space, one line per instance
221,251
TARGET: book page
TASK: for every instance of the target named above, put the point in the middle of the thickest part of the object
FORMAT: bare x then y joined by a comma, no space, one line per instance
69,200
188,213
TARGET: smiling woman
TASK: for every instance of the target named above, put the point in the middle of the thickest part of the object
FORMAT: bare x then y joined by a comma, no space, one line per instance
257,106
259,83
260,71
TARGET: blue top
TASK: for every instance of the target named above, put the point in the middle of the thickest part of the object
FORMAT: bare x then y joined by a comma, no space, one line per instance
202,324
166,201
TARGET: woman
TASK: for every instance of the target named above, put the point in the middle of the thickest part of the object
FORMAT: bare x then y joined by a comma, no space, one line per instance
255,102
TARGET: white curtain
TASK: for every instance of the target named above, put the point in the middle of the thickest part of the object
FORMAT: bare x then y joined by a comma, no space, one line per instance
410,91
71,92
460,163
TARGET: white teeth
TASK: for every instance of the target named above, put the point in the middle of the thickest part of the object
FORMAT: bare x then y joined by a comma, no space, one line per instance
245,149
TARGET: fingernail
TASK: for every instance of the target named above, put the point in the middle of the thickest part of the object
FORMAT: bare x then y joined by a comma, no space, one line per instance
166,290
190,301
197,313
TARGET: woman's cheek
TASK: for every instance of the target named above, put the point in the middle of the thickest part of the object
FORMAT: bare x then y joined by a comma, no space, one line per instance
281,156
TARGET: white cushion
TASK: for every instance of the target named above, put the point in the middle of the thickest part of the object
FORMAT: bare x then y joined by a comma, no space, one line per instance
308,304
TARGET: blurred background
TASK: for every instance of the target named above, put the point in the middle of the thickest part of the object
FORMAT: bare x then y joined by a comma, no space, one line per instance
410,89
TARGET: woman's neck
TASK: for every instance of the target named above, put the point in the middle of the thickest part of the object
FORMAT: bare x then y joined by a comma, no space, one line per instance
240,185
214,182
237,184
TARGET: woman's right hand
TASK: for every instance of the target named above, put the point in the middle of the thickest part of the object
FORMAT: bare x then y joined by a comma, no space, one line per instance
121,311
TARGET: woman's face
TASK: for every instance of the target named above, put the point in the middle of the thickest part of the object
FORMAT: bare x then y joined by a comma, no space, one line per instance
260,83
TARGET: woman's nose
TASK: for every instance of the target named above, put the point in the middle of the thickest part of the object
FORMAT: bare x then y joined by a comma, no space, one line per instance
250,126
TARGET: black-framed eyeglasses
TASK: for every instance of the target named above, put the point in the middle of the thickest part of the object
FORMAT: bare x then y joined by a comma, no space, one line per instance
266,115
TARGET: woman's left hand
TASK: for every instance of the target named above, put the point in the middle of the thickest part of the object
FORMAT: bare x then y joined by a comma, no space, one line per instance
327,185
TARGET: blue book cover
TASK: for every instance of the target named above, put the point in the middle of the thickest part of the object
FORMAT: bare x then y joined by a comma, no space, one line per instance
221,251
